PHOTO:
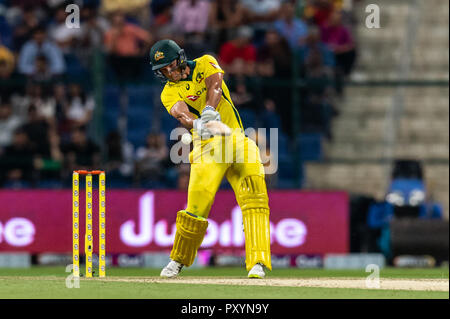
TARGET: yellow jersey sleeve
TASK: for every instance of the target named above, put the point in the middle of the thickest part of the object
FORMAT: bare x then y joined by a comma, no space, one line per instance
210,65
169,96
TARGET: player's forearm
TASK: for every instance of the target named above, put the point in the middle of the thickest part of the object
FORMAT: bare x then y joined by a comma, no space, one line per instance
214,89
185,120
213,97
181,112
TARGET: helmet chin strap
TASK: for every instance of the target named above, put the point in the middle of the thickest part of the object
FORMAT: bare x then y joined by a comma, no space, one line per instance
182,59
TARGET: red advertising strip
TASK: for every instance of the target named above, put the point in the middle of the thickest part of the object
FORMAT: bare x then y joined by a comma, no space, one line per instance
138,221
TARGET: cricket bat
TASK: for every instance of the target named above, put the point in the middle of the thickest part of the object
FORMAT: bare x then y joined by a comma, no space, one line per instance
218,128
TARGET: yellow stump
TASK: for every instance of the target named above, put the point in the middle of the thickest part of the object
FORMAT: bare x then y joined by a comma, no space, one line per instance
75,224
88,237
102,226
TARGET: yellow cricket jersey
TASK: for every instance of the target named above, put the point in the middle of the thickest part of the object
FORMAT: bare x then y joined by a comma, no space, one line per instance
192,91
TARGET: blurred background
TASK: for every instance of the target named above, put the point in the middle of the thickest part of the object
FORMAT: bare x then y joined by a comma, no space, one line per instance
362,112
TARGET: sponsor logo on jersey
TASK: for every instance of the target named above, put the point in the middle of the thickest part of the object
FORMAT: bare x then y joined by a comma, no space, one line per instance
192,97
197,94
199,77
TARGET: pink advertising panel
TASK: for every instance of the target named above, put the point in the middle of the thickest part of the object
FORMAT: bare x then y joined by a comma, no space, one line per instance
139,221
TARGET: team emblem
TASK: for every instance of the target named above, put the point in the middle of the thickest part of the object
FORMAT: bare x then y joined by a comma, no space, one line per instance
159,55
199,77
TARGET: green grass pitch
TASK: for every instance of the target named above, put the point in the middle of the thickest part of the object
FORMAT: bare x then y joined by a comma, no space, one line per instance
126,283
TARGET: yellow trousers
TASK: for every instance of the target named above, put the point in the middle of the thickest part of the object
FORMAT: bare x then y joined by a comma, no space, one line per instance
234,157
237,158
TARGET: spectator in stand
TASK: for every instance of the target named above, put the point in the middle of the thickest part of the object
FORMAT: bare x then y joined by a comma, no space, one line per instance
42,136
191,16
18,161
7,61
261,10
314,44
161,25
224,16
41,72
194,45
138,9
151,158
275,60
93,27
319,108
7,65
293,29
5,28
119,156
79,108
23,31
339,38
267,158
81,152
60,34
92,32
320,11
114,151
270,117
8,124
20,99
242,97
238,56
274,57
62,104
158,7
317,113
44,102
126,44
314,66
37,46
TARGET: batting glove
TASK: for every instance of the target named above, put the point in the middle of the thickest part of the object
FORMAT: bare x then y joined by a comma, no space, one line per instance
202,131
210,114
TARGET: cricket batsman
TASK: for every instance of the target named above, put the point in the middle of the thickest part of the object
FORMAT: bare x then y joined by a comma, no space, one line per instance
196,95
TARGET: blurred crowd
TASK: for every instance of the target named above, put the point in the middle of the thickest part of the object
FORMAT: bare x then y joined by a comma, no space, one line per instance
47,102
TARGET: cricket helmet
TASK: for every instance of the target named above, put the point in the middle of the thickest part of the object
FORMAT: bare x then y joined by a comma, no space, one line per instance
165,52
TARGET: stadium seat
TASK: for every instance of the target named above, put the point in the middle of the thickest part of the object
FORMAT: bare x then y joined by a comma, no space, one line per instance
286,172
139,94
283,144
117,180
168,123
286,167
137,137
111,108
270,119
139,113
150,184
310,145
17,184
6,32
49,184
110,120
139,123
248,118
74,68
